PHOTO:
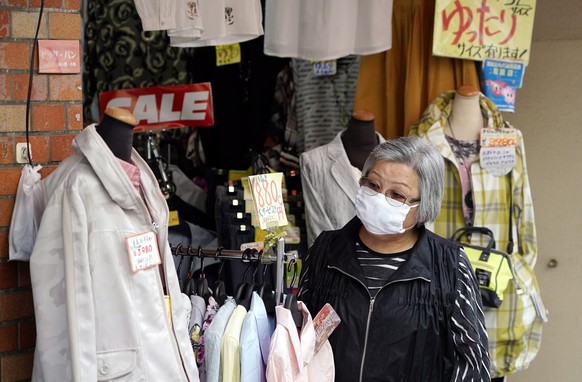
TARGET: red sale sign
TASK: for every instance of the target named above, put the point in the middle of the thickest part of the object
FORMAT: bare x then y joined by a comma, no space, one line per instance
164,107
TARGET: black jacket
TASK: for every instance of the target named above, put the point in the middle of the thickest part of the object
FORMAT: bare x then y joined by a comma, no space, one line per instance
404,333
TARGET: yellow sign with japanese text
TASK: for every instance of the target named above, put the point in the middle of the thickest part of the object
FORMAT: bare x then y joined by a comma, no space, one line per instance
484,29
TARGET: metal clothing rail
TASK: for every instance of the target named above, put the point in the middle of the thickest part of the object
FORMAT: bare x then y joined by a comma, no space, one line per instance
247,255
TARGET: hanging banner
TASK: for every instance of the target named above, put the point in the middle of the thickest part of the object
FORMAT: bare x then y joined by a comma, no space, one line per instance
164,107
480,29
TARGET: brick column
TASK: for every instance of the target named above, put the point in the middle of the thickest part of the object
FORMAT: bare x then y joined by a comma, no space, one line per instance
55,117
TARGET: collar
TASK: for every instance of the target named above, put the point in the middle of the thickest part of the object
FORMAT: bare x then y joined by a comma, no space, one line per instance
343,248
303,345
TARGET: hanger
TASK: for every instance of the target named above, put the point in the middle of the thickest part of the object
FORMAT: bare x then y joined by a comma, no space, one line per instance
291,299
202,289
245,289
267,293
188,287
219,288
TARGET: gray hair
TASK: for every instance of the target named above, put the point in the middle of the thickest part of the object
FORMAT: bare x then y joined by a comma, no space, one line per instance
423,157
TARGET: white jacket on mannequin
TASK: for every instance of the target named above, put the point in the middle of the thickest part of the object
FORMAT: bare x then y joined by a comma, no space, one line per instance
96,319
329,183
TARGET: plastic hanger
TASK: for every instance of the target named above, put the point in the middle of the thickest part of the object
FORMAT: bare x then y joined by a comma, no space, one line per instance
267,293
202,289
220,295
291,299
245,289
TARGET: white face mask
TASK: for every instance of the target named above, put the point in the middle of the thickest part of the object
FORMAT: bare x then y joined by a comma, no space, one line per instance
378,216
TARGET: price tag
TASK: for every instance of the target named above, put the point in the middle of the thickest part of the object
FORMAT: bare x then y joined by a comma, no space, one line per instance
497,160
174,219
325,68
506,137
143,251
227,54
268,199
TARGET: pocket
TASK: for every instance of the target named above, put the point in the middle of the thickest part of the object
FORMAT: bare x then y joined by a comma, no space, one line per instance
113,364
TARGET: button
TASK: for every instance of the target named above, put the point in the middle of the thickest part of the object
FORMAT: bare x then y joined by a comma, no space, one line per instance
104,369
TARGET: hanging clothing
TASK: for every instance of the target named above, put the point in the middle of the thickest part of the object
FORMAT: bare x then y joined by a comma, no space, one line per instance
330,184
223,22
327,29
230,346
95,317
213,339
147,56
399,84
255,339
323,105
292,356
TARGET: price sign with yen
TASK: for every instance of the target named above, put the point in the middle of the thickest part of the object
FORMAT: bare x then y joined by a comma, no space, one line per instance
268,199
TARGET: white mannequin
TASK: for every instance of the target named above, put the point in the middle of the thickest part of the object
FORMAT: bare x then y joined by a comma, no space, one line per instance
466,119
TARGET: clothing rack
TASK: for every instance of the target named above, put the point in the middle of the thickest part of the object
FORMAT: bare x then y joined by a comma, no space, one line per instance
246,255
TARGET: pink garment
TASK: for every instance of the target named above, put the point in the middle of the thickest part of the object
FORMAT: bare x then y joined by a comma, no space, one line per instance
291,354
132,171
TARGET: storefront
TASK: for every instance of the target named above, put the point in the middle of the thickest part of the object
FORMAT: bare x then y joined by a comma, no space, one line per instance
265,102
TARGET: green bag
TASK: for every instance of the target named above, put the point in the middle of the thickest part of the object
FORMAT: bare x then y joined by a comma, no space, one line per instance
492,267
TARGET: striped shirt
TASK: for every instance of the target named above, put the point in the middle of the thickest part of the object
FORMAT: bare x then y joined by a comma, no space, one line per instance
378,267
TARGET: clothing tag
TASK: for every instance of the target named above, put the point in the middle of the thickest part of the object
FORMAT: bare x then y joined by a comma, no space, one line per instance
324,324
506,137
228,54
497,160
143,251
497,154
174,219
325,68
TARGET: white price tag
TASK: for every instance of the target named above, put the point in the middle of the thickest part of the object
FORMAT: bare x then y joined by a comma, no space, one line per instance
325,68
143,251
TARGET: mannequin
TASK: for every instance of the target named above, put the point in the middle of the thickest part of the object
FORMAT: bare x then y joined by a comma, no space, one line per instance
116,129
466,119
360,137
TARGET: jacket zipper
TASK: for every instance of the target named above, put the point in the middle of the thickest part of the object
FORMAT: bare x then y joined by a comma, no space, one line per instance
370,311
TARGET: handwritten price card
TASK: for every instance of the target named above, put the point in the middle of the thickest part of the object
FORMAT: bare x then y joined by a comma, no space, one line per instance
268,199
143,251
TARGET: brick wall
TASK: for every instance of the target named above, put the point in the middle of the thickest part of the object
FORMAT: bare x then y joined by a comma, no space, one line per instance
55,117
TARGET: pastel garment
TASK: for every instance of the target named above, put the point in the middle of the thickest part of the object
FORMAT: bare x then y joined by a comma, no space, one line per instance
213,338
330,184
255,339
327,29
292,356
96,318
230,346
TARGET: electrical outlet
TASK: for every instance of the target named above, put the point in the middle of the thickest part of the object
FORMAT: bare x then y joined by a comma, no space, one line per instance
22,150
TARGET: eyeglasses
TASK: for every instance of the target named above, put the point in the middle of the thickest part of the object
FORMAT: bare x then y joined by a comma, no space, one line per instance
394,198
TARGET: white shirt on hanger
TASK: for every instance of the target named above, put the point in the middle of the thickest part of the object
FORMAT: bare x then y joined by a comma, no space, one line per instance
327,29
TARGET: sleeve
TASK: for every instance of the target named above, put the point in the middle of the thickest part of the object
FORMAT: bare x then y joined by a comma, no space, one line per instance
311,274
523,211
79,289
468,328
62,290
315,214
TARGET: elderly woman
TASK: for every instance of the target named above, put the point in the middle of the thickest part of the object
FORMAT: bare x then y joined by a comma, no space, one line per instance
408,299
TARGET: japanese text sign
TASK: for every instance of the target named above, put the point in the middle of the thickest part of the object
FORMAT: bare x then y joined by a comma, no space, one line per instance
268,199
164,107
59,56
480,29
